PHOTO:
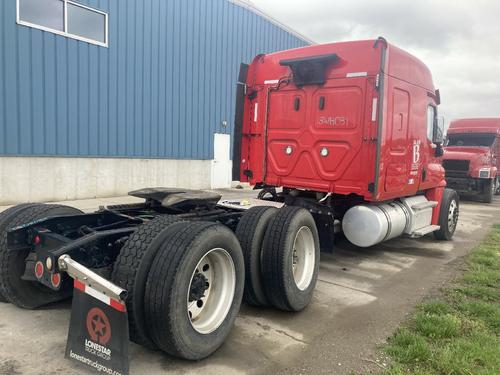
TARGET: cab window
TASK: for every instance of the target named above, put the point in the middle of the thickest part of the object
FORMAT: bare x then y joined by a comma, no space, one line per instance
473,140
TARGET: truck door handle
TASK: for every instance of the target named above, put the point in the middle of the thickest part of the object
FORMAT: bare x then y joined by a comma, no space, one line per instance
296,104
321,103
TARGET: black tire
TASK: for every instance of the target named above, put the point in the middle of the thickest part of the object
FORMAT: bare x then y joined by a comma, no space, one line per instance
448,216
278,254
131,270
28,294
5,219
488,191
169,282
250,232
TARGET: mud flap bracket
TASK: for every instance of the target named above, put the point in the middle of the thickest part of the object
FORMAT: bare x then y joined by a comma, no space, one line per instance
98,336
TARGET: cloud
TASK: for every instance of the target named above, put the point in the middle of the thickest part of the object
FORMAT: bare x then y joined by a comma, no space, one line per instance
458,40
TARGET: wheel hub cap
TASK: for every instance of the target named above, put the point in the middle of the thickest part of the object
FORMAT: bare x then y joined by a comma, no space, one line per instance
211,291
452,216
199,285
303,258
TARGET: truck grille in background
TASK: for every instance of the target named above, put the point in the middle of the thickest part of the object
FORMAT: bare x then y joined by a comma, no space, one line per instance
456,168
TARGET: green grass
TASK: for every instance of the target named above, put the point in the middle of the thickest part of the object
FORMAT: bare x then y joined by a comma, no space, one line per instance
458,333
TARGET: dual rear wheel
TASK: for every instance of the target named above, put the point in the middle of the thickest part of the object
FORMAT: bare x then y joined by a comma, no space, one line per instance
185,282
281,250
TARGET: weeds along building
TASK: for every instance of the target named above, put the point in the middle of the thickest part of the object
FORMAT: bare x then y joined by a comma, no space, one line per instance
99,97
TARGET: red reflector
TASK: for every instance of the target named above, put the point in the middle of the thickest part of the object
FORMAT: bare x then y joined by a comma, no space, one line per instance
79,285
55,279
39,270
37,240
117,305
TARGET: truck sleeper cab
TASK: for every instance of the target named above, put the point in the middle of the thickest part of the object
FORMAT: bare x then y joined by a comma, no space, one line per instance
472,157
348,130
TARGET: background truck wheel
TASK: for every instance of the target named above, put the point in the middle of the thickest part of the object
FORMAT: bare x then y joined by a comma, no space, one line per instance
5,219
290,259
448,215
488,191
131,270
250,232
28,294
194,289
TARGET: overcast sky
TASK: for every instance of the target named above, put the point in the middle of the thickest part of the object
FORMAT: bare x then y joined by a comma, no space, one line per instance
458,40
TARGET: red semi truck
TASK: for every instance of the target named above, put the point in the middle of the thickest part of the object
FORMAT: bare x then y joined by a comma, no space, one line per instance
346,131
350,132
472,157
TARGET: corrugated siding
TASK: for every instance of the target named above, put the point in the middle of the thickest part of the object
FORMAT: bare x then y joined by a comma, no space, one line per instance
160,90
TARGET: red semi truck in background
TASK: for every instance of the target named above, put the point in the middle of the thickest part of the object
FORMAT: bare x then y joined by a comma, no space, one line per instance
348,132
472,157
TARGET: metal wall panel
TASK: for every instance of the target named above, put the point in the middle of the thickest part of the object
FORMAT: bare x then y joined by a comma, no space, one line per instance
161,89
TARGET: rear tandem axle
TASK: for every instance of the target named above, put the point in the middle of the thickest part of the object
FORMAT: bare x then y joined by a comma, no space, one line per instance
178,266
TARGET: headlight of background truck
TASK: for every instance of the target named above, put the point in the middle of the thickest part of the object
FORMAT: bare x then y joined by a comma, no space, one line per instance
484,173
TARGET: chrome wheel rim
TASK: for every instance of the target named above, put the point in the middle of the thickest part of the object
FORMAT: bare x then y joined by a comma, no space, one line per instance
452,215
303,258
211,291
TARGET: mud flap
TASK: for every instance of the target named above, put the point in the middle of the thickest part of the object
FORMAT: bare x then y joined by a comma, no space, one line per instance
98,335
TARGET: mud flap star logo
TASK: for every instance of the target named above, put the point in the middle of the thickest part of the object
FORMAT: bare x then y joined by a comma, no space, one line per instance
98,326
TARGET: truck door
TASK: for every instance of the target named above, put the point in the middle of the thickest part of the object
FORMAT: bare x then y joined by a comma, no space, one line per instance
432,171
398,169
315,133
408,155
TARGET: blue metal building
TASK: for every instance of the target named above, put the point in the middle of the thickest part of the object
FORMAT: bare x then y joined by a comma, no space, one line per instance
146,79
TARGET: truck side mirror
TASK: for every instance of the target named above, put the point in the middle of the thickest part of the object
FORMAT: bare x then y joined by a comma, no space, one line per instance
438,97
438,152
438,136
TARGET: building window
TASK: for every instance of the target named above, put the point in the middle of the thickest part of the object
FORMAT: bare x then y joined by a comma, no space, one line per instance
65,17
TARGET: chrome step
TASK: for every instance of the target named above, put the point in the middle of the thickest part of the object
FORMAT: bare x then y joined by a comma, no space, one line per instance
425,230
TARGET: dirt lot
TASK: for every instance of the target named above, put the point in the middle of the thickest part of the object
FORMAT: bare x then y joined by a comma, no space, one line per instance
362,295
